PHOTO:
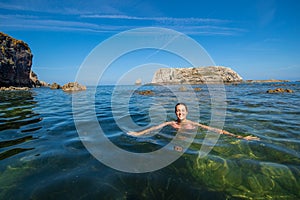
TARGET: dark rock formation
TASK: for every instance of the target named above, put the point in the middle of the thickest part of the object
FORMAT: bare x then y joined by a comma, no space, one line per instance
199,75
15,63
73,86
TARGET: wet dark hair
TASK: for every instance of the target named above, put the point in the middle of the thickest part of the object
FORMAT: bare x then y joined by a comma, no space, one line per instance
183,104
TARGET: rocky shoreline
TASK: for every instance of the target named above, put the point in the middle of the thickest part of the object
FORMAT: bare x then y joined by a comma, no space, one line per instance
12,88
68,87
15,68
267,81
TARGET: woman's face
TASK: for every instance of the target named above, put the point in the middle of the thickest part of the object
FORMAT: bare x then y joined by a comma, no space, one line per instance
181,112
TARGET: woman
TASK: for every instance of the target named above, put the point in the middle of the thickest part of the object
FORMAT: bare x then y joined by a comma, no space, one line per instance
182,122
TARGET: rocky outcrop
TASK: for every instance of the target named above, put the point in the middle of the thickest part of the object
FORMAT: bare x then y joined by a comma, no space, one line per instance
35,81
138,82
73,86
55,86
199,75
15,63
44,84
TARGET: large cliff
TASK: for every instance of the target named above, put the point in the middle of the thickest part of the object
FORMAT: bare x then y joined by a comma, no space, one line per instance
199,75
15,63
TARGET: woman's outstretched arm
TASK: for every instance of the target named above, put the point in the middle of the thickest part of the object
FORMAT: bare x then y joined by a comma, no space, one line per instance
220,131
153,128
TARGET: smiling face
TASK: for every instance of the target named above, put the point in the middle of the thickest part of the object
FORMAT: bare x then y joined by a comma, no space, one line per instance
181,112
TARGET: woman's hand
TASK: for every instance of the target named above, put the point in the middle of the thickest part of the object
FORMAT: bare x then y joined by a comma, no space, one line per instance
249,137
133,133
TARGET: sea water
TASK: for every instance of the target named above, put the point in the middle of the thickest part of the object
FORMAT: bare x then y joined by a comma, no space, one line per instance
43,156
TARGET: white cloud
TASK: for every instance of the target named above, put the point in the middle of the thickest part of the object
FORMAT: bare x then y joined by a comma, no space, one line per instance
70,7
69,17
33,22
185,25
160,19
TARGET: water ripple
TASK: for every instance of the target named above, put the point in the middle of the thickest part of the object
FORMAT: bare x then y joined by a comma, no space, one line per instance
42,154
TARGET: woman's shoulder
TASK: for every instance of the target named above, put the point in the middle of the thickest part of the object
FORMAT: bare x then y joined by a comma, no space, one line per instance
170,122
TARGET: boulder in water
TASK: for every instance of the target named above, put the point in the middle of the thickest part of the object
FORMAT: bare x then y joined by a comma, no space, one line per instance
73,86
55,86
280,90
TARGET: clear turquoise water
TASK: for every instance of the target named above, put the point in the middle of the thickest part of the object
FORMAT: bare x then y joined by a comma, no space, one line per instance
42,156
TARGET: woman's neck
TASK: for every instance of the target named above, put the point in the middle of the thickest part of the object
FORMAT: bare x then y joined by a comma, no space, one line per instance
179,121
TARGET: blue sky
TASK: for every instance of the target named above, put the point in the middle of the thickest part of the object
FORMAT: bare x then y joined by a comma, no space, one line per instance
257,39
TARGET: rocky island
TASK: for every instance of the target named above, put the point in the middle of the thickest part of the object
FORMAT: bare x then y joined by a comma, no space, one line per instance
196,75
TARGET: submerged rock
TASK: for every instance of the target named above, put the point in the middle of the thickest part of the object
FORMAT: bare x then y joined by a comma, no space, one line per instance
197,89
280,90
199,75
182,89
73,86
146,92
